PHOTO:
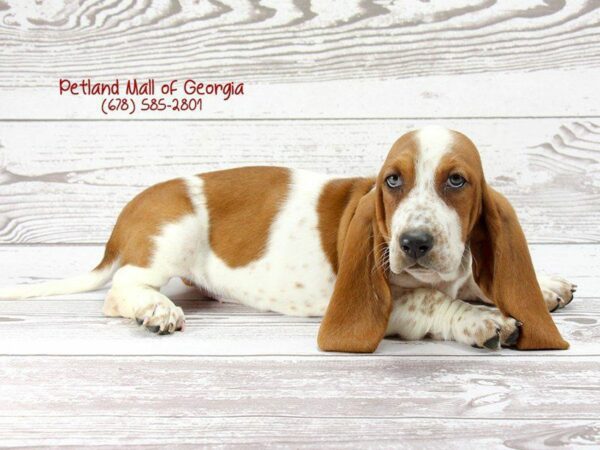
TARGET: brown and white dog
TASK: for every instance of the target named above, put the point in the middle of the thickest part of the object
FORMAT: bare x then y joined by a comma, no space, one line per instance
393,255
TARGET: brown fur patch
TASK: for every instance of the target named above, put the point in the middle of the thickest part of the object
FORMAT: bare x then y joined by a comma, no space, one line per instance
141,220
242,204
339,198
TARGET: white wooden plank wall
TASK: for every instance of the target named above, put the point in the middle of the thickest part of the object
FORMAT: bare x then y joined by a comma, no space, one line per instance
328,86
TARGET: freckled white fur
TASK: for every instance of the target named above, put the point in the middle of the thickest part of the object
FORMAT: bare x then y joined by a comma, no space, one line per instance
423,209
427,312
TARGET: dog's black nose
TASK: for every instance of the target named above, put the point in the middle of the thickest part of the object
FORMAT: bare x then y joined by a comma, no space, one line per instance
416,243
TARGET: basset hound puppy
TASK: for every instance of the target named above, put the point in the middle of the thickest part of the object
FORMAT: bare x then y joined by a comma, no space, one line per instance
399,254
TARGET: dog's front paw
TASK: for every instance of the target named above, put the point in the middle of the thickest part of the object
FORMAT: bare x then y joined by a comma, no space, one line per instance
557,291
490,329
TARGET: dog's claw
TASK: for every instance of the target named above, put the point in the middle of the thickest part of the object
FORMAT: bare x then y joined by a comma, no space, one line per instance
513,337
492,343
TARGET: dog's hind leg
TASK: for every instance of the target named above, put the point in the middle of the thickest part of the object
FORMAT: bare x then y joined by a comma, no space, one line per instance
154,245
135,289
135,295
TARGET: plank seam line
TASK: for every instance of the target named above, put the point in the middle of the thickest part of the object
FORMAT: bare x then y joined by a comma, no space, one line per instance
291,416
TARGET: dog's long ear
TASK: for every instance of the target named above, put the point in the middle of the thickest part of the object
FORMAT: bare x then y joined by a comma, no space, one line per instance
503,270
358,312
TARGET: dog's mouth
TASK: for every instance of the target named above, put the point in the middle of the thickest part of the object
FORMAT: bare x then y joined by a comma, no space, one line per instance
418,269
428,274
425,274
414,268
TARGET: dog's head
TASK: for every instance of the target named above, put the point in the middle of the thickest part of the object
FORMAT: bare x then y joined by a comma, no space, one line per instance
429,192
430,214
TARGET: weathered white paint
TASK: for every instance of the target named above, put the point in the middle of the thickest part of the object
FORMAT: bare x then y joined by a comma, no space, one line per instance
368,59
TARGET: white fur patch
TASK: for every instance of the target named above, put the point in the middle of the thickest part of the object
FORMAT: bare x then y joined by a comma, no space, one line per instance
434,142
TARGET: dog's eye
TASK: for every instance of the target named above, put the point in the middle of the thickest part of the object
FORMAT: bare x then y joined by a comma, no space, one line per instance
455,181
394,181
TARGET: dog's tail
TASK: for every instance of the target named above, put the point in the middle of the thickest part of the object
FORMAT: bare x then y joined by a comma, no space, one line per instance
90,281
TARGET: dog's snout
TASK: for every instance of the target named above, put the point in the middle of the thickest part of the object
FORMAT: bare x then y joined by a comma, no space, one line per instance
416,243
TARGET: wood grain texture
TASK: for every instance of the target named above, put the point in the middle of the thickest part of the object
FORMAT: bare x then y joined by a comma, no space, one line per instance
155,432
66,182
74,325
437,387
459,58
287,40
